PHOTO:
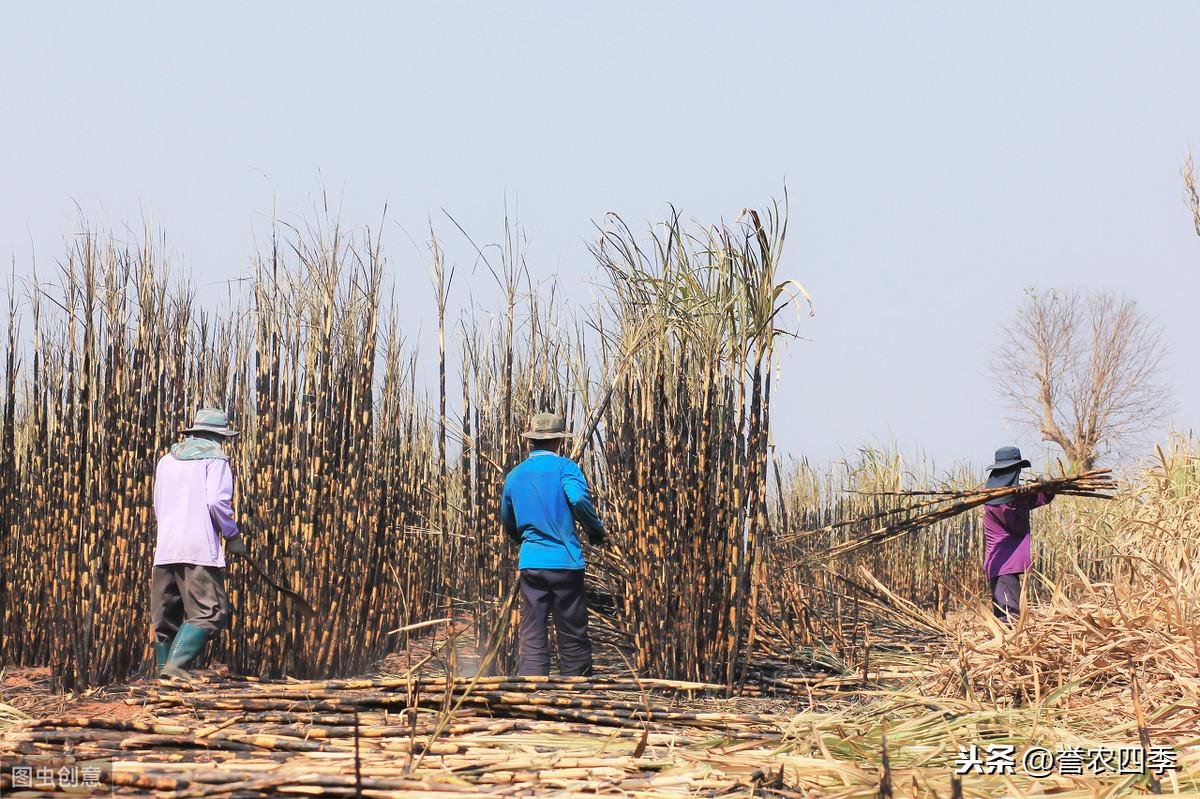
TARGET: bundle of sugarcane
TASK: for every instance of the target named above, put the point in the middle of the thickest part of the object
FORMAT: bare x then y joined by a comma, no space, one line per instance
586,700
607,682
926,512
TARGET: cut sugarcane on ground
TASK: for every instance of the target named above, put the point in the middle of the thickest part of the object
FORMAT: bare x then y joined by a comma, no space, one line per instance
404,735
611,735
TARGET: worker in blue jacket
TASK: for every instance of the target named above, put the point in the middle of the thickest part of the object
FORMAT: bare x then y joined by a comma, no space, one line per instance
544,496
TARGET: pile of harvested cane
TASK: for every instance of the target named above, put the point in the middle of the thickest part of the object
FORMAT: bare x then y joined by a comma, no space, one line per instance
927,508
346,738
575,699
410,737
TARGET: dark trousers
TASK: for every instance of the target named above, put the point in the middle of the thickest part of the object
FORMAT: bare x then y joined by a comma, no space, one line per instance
1006,596
557,591
182,592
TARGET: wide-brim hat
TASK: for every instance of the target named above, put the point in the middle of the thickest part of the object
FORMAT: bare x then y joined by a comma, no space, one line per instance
547,426
211,420
1008,458
1005,472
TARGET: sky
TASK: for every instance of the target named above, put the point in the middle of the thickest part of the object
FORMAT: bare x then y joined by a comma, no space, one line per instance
940,158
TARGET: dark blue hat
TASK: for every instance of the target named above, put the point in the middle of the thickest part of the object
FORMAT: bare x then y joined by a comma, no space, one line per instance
1006,471
1008,458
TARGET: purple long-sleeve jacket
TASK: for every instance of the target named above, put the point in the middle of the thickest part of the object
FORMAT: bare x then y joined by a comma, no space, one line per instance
1006,534
193,504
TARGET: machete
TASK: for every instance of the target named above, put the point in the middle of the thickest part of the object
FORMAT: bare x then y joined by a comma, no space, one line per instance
302,605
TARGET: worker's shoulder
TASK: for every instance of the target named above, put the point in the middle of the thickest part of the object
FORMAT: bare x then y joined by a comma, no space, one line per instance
542,463
552,461
567,464
169,461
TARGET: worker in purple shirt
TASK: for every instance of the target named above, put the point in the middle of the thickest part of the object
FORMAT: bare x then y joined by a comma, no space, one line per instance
193,506
1006,533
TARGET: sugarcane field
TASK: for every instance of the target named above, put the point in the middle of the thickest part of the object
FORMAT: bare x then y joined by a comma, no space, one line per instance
641,401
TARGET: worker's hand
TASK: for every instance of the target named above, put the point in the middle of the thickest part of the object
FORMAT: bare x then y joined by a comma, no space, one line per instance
1043,482
598,540
235,546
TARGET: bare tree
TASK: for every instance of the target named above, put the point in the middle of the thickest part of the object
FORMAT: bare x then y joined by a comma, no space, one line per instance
1193,194
1084,369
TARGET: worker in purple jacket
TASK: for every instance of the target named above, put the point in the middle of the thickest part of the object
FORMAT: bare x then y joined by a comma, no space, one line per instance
193,506
1006,533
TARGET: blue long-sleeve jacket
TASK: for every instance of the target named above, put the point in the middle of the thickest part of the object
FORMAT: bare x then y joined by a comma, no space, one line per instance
543,498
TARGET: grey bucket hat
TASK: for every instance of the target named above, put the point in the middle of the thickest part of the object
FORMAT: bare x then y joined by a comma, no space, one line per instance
547,426
211,420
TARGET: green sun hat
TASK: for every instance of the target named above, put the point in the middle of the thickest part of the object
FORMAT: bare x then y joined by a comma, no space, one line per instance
211,420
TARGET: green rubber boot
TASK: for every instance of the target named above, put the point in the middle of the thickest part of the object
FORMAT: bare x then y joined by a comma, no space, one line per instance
188,643
161,650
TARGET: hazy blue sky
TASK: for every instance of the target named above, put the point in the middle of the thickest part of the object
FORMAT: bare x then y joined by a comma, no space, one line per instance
940,157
